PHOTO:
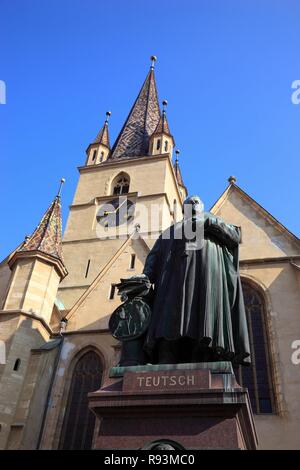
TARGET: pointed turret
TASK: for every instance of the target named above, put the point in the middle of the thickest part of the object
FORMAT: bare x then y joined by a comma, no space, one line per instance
98,151
162,140
133,140
38,267
182,187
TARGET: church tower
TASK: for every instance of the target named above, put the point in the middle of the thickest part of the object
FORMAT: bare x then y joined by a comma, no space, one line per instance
28,317
137,168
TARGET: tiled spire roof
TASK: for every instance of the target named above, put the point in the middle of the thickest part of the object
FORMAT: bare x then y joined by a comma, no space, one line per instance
141,122
47,237
177,170
163,126
178,173
103,134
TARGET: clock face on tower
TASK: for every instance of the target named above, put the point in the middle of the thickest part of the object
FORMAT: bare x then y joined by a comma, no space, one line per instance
116,212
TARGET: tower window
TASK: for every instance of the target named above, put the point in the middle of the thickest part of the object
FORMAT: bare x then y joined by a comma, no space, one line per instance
94,155
17,364
158,144
132,261
87,268
112,291
166,145
121,186
101,157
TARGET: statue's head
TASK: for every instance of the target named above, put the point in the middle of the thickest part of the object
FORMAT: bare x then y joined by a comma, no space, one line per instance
192,207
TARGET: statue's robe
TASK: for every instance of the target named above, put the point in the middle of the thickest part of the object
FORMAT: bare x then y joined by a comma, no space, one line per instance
198,293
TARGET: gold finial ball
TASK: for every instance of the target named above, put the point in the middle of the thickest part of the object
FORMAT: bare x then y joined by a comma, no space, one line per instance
108,113
62,180
153,58
232,179
164,103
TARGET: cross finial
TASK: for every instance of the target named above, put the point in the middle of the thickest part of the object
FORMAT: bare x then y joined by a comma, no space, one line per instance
153,59
62,181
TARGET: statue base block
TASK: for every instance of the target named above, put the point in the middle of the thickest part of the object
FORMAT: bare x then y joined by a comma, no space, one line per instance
199,406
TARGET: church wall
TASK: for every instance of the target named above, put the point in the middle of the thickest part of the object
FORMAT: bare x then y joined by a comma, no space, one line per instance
74,345
94,312
5,274
260,238
279,284
34,396
96,181
27,334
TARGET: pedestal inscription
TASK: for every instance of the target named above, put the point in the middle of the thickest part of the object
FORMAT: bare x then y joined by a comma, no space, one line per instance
174,380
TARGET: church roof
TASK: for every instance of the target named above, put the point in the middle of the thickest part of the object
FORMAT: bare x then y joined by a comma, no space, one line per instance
162,126
47,237
103,134
234,188
141,122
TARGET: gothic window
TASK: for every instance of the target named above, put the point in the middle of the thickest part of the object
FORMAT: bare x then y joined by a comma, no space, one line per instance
101,156
166,145
94,155
158,144
79,421
257,377
121,185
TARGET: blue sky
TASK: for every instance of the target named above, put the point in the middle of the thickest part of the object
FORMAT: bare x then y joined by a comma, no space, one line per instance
225,67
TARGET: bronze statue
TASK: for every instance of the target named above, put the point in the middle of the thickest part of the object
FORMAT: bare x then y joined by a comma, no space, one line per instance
198,311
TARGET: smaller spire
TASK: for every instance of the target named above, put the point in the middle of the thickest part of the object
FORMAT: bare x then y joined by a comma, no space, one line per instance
163,126
103,135
177,169
153,59
47,237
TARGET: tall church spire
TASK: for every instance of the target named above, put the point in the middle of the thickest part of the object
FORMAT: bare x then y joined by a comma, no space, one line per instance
141,122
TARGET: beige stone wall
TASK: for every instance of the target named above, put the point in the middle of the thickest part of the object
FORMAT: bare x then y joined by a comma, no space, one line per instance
21,334
33,287
75,344
279,283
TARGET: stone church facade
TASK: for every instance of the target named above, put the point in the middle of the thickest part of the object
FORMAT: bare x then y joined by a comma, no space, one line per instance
56,295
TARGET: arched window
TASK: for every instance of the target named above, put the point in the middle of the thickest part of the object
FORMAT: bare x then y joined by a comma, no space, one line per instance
158,144
101,157
79,421
121,184
257,377
166,145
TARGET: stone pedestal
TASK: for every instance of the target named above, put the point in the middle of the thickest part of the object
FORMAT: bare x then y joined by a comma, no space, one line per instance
199,406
